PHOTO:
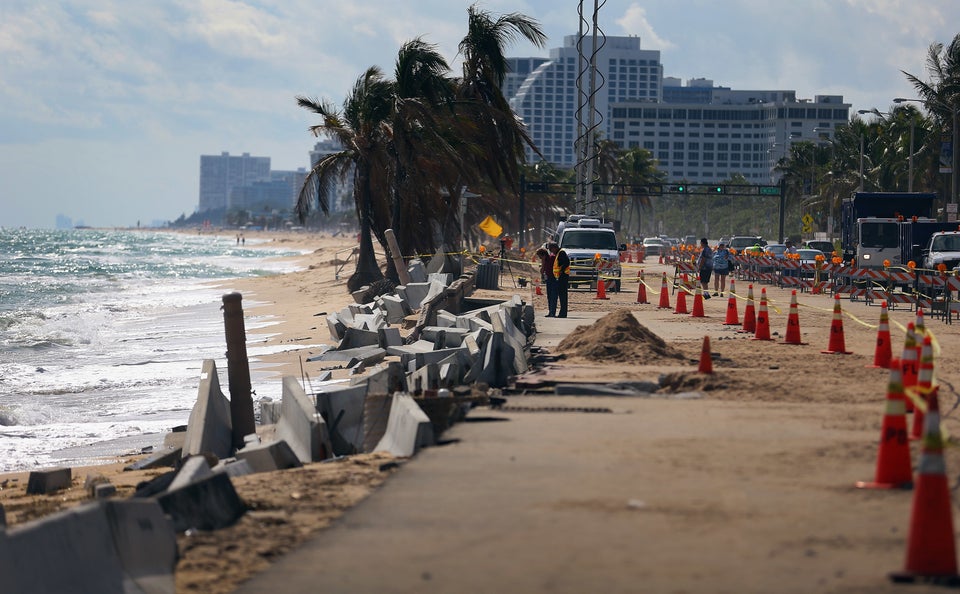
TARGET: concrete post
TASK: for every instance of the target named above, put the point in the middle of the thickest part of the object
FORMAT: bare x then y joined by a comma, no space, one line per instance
397,257
238,369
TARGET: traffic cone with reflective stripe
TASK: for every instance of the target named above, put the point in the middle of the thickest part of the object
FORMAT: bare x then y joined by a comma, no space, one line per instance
664,294
836,345
642,290
763,319
681,302
909,363
733,318
931,545
749,314
924,386
883,354
893,456
706,362
698,305
793,321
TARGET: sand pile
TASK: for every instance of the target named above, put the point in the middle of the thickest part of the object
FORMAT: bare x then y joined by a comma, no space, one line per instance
617,336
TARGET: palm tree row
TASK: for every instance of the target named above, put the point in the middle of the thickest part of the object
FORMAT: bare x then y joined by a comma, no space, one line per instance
876,153
413,143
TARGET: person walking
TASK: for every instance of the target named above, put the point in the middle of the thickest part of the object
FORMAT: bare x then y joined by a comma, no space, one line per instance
546,275
705,266
561,272
721,267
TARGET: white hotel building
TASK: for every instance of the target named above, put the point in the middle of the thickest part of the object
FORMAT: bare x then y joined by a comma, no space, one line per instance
699,133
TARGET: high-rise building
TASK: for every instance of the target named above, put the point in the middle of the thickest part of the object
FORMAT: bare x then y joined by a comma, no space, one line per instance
340,194
220,174
698,132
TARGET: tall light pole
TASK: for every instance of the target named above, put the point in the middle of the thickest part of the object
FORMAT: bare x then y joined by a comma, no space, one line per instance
953,145
913,124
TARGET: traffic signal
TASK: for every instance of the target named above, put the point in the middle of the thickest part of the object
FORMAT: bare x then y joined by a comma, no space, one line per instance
716,189
680,189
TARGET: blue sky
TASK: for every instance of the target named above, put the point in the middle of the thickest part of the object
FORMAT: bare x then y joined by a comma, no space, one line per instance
107,105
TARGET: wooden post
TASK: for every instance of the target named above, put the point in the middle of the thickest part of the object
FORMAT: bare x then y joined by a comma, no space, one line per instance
238,369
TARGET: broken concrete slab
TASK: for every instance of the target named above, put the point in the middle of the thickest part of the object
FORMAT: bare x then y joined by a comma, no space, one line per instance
342,409
267,457
44,482
417,271
388,337
580,389
208,504
387,380
209,428
301,426
395,309
408,428
109,546
424,377
354,338
498,358
414,293
194,468
336,327
453,336
368,354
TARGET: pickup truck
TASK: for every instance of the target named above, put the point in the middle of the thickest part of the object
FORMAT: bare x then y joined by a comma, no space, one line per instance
583,238
942,248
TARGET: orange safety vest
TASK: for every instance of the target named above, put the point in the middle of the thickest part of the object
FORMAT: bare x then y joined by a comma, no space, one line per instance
557,271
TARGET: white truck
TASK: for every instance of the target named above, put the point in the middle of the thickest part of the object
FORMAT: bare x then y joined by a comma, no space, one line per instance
942,248
583,238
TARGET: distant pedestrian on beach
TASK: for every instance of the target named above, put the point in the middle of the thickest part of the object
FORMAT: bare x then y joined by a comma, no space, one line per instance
705,266
561,272
721,267
546,275
238,239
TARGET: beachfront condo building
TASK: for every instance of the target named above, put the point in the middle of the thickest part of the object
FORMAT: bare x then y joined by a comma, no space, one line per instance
698,132
221,174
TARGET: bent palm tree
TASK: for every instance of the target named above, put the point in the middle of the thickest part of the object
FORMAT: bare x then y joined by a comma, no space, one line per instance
362,129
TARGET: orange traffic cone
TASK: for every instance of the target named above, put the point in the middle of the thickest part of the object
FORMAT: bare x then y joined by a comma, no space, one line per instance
793,321
706,362
681,302
664,294
893,455
920,330
642,290
539,290
836,345
883,354
698,305
931,548
601,289
763,320
749,315
923,388
733,318
909,361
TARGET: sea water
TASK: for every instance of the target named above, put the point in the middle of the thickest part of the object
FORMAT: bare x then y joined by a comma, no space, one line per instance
103,333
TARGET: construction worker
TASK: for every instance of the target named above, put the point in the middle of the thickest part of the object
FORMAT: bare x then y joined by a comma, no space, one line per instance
561,272
546,275
705,266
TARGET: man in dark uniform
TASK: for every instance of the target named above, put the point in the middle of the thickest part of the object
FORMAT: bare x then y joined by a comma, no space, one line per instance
561,272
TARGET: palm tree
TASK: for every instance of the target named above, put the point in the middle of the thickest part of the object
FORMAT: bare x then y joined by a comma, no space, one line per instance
637,167
362,128
496,136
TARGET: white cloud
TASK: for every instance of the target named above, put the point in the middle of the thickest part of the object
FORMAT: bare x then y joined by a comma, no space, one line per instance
634,22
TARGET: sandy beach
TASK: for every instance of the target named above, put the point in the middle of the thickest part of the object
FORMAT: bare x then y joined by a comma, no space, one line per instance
748,487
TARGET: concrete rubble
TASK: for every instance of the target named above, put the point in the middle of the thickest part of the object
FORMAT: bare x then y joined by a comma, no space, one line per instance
401,393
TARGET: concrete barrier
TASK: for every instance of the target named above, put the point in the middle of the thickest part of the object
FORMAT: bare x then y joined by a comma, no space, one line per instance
108,547
301,426
208,504
43,482
408,428
209,428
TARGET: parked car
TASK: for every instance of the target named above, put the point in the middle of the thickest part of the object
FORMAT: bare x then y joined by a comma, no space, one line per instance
741,242
654,246
824,246
777,249
809,255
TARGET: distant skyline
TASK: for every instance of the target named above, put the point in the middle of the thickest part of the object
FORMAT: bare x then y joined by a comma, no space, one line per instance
106,106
